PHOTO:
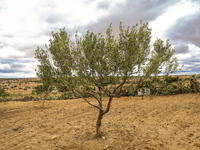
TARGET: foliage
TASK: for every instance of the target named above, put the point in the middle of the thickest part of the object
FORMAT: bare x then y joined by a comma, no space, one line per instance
33,92
170,79
39,89
194,84
3,93
68,95
94,62
5,99
62,88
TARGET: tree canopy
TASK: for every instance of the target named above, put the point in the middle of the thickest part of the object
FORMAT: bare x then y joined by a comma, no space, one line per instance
94,62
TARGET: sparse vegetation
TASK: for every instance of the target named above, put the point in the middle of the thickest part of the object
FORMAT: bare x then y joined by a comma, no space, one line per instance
3,93
41,89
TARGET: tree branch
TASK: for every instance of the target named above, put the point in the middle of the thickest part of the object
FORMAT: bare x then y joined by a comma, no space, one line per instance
108,105
100,103
92,104
121,84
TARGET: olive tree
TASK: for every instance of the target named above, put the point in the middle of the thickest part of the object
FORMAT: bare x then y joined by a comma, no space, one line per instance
99,65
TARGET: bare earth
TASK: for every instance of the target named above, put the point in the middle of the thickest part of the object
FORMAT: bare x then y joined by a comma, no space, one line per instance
164,123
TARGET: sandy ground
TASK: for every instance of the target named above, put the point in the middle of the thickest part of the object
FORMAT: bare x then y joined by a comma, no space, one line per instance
164,123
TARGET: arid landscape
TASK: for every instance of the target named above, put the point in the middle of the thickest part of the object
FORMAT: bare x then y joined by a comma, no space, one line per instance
165,123
20,86
25,86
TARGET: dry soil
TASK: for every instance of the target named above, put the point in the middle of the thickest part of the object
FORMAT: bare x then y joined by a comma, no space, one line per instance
164,123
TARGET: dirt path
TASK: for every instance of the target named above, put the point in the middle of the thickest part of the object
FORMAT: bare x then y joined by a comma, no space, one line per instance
164,123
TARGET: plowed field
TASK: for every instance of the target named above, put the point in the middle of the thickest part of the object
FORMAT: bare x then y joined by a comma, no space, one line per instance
164,123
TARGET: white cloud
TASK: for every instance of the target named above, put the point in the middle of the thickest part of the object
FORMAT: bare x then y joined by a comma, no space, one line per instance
4,66
16,75
182,56
194,50
9,52
163,22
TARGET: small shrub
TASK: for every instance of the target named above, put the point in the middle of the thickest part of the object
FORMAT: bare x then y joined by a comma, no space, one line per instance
170,79
3,92
33,92
166,93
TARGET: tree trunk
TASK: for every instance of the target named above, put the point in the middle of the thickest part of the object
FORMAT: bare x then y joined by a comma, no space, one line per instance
98,123
43,103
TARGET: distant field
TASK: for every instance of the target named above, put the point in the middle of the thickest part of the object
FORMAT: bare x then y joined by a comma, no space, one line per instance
19,86
24,86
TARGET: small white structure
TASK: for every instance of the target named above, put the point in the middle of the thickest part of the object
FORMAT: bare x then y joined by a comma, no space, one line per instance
55,90
145,91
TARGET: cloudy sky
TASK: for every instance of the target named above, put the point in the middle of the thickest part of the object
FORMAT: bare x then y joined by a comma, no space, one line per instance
27,24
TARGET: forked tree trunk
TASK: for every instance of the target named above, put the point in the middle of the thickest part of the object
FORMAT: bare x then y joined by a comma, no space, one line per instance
98,123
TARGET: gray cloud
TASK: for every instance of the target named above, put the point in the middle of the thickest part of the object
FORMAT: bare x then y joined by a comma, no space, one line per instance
8,36
129,13
196,1
3,44
186,30
16,65
182,48
13,71
88,1
15,61
103,5
193,60
29,50
53,19
193,64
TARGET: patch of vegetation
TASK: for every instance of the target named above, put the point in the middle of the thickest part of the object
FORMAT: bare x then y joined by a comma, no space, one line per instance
3,93
170,79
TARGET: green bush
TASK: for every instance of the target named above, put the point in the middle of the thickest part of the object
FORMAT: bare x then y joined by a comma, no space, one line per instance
63,88
5,99
170,79
40,89
3,93
33,92
69,95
